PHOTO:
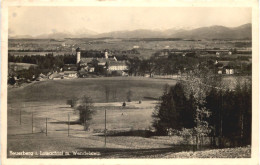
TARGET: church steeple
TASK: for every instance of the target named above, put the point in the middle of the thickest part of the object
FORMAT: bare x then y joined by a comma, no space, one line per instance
78,54
106,54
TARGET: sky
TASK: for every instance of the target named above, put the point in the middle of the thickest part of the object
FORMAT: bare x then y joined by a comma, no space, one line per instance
45,20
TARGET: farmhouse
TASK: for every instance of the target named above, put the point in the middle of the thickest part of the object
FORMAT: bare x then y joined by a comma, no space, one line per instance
55,76
41,77
116,65
229,71
69,67
70,74
224,67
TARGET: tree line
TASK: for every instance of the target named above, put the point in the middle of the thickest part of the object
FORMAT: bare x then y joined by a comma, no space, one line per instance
161,65
49,61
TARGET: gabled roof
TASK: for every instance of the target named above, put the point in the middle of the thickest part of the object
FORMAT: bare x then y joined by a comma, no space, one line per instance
104,60
117,63
225,63
56,75
100,60
70,72
86,60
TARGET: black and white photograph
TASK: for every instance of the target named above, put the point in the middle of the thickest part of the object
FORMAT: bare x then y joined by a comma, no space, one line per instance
130,82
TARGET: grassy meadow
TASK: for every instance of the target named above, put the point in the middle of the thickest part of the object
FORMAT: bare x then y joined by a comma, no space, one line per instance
127,127
61,90
47,99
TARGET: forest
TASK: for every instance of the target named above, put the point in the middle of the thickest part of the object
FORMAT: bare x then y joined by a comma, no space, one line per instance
200,106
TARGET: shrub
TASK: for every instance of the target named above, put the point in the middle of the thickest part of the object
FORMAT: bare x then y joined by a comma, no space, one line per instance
11,81
86,110
72,102
186,134
129,95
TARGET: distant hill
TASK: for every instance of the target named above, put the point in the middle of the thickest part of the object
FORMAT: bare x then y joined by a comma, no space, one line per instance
79,33
141,33
217,32
19,36
212,32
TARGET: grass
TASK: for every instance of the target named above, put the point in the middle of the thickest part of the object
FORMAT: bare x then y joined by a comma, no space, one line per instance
61,90
118,44
238,152
130,143
43,99
135,116
127,126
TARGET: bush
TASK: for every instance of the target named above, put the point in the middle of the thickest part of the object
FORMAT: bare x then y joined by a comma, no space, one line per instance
72,102
116,73
186,134
129,95
11,81
86,110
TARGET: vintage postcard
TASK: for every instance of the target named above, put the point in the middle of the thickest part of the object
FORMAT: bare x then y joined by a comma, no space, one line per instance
105,82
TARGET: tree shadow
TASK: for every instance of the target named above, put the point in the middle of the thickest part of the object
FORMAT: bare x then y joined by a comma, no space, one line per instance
66,122
138,133
150,98
65,107
21,134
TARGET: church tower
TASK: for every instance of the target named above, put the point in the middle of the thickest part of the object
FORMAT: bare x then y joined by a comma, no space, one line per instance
78,54
106,54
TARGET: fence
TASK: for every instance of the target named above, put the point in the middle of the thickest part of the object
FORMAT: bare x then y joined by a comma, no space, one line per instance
30,122
66,125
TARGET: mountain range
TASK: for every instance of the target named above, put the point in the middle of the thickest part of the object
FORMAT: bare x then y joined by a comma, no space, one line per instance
211,32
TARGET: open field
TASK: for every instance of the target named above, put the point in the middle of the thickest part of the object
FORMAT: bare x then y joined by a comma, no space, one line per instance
125,44
33,106
134,116
39,53
29,106
146,47
61,90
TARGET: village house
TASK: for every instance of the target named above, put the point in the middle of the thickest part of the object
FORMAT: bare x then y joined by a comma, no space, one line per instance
224,68
224,52
41,77
70,74
116,66
55,76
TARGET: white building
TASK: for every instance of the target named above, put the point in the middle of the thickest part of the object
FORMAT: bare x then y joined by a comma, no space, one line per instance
117,66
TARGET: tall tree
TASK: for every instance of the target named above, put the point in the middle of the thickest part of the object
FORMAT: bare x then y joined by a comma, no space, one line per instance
171,110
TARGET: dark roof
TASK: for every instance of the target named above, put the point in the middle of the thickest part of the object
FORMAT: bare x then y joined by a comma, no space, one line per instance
78,49
104,60
225,63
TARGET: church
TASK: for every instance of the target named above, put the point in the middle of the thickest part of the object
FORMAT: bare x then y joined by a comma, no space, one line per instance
110,63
